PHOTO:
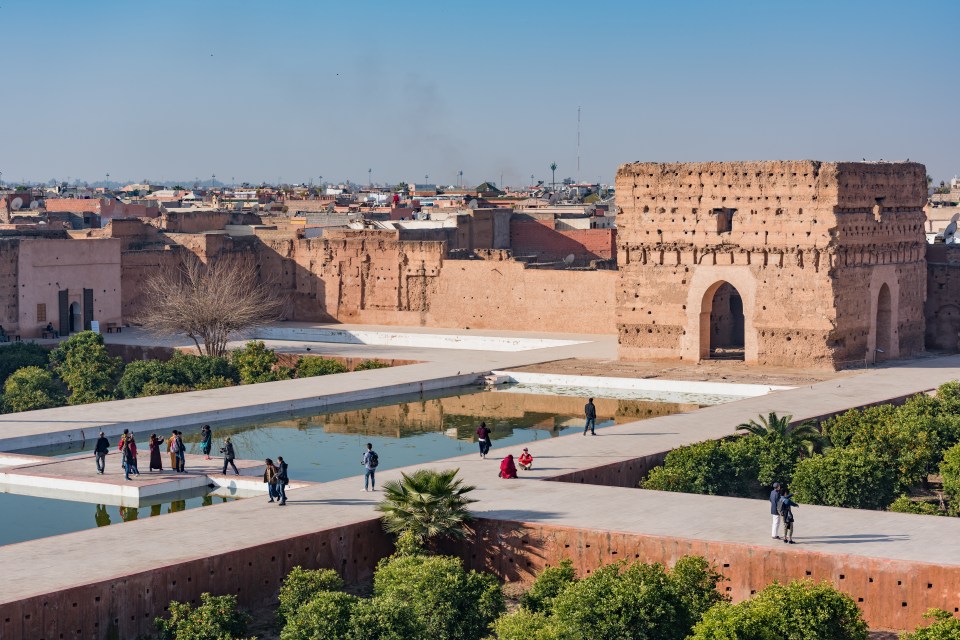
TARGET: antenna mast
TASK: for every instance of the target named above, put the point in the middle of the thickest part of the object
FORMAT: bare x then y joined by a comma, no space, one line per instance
578,144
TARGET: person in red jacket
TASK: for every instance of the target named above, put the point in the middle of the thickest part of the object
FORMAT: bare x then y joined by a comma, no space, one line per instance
525,460
507,468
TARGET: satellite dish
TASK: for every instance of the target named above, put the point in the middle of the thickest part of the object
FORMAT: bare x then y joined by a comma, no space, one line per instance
569,259
16,203
950,233
473,204
34,205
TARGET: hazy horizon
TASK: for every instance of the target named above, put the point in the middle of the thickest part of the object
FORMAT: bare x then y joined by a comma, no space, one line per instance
256,92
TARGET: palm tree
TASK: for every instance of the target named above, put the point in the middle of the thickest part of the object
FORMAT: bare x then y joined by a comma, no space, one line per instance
427,504
805,436
553,171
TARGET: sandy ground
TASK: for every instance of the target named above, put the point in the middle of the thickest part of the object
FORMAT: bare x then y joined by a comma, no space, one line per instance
711,370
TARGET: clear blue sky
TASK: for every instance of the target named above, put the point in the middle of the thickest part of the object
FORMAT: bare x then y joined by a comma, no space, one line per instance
295,90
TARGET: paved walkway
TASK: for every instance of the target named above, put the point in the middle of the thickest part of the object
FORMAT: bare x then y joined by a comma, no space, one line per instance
88,556
442,368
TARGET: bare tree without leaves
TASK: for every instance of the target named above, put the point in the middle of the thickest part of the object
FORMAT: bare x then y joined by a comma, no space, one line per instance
209,303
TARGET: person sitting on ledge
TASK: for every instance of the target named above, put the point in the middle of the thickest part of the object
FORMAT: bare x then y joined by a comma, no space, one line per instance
507,468
49,329
525,460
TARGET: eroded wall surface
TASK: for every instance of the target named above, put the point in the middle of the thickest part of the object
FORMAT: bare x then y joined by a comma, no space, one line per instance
943,297
807,245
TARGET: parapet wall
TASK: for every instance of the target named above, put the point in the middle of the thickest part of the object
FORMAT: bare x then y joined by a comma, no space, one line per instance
892,594
127,606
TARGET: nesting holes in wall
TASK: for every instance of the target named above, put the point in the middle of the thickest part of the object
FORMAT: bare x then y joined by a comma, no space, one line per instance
903,604
809,573
842,577
899,582
869,579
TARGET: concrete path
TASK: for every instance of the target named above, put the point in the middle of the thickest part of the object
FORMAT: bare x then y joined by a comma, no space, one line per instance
84,557
77,477
442,368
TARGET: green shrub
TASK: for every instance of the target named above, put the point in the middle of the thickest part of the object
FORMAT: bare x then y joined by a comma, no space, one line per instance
943,627
137,374
301,585
950,471
216,382
255,363
800,610
18,355
448,601
310,366
30,388
83,363
385,618
216,618
901,438
326,615
524,624
548,585
366,365
198,371
637,601
153,388
714,467
850,477
904,504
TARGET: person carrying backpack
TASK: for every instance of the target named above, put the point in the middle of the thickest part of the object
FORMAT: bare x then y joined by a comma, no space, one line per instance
785,507
483,438
370,461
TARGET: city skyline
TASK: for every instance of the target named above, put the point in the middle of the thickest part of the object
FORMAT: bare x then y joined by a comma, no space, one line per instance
254,92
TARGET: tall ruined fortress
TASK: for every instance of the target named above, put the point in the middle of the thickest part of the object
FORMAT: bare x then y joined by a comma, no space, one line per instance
793,263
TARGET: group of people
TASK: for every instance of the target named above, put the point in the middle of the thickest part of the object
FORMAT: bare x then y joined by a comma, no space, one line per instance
781,508
276,477
508,467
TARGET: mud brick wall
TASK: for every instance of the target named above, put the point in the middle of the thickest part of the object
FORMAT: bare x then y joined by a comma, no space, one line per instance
541,239
892,594
809,246
943,297
127,606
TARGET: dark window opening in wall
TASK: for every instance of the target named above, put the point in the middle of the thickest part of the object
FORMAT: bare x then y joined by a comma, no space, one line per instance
41,313
724,217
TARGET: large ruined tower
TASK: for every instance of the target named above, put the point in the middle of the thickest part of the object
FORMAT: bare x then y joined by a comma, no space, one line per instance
793,263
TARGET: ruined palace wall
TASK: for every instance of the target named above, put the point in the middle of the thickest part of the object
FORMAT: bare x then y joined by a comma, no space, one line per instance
808,245
942,309
375,278
673,251
880,241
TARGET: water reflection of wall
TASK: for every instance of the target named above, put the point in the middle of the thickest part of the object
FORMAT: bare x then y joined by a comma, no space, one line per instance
503,412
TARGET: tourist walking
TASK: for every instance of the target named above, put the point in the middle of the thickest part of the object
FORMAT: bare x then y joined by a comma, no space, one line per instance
270,478
156,461
775,511
171,443
786,505
483,438
525,460
100,452
123,438
283,479
228,456
508,469
206,441
590,413
129,454
181,453
370,462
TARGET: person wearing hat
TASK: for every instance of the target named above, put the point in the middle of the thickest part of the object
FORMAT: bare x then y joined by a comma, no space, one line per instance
525,460
774,511
100,452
